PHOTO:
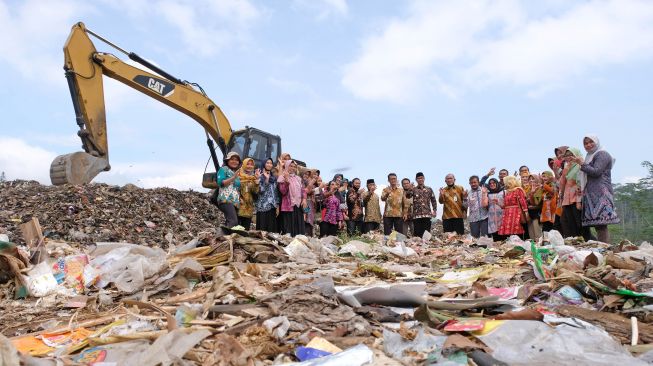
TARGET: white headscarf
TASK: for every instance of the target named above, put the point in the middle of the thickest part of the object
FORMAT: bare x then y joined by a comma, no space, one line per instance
582,177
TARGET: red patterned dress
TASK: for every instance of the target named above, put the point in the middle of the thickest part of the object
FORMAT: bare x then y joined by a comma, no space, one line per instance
514,202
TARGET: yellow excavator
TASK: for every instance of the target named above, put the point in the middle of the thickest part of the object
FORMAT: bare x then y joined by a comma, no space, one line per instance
84,67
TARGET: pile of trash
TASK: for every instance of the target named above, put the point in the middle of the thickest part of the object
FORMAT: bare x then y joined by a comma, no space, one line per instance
98,212
254,298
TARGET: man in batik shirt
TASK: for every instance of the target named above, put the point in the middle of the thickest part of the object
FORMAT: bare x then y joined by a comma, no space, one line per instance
355,208
393,196
372,207
425,206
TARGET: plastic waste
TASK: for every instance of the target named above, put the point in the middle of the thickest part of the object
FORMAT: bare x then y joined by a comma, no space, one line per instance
527,342
401,250
355,246
484,241
579,256
4,237
462,277
397,294
427,236
127,266
316,348
569,293
308,353
40,280
187,313
168,348
69,270
277,326
555,238
299,252
424,346
515,240
356,356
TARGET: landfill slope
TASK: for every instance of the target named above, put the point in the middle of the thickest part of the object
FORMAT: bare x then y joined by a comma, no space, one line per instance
101,213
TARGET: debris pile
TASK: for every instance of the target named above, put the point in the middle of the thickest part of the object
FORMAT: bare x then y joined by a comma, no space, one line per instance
101,213
256,298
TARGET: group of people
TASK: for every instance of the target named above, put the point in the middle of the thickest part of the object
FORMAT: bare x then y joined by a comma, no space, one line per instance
571,197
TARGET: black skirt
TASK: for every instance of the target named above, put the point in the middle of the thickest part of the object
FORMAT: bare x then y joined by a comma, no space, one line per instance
293,222
267,220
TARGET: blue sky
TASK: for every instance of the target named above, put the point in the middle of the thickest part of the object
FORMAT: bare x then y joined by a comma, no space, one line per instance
371,85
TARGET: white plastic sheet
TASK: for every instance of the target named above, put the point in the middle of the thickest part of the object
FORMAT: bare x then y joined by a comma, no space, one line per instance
127,266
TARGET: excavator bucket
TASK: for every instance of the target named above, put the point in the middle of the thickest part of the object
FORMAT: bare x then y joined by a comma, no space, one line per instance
76,168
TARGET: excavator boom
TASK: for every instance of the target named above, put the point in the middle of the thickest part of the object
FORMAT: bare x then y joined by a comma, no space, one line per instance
84,68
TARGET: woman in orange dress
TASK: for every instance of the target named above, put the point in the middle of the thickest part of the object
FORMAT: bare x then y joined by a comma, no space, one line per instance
514,206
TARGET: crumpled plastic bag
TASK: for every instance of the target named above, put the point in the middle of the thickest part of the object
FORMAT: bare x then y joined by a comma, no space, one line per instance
277,326
356,246
299,252
401,250
40,280
555,238
127,266
411,352
527,342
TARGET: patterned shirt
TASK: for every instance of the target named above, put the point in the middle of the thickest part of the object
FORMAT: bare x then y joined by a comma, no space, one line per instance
372,207
268,197
394,202
476,199
230,193
355,205
452,200
333,213
248,190
423,202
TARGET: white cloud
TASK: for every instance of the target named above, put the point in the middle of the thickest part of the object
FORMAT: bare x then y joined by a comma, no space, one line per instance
324,9
155,174
630,179
19,160
450,47
206,27
32,33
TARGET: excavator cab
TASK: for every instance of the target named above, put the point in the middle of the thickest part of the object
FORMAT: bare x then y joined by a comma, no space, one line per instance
252,143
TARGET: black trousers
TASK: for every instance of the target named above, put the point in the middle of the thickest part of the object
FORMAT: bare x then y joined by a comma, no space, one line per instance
327,229
230,214
293,222
421,225
354,226
478,228
370,226
572,224
267,221
393,222
547,226
245,222
454,225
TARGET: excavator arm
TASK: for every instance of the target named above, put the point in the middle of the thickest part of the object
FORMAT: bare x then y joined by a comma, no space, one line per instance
84,68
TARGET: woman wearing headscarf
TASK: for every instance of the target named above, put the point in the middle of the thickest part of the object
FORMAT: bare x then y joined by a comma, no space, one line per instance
495,208
293,200
515,209
268,199
534,200
249,188
549,201
229,191
571,197
309,180
596,186
333,217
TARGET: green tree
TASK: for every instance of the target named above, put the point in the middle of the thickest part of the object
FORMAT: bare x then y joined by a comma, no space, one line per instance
634,204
